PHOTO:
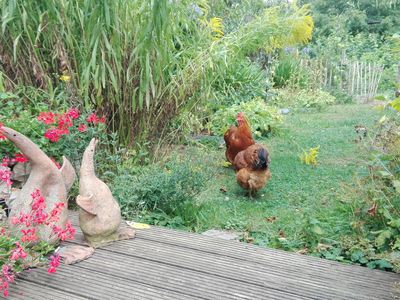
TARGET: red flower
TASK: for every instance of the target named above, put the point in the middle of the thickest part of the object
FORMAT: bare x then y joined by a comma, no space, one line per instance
19,157
47,117
73,113
92,118
64,122
52,134
82,128
55,162
102,120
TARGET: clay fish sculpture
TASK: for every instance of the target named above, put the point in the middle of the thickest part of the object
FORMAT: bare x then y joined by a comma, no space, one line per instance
100,214
53,183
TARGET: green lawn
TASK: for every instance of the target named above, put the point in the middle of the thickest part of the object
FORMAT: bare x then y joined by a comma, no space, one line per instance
301,205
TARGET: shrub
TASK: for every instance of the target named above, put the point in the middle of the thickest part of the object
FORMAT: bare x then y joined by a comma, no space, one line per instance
241,82
165,189
376,214
56,133
263,119
296,98
288,71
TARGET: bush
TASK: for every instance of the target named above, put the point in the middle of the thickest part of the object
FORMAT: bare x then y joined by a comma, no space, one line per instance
164,189
241,82
295,98
376,214
288,71
62,132
263,119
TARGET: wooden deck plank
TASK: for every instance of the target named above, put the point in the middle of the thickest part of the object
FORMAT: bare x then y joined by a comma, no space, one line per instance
166,264
266,277
251,253
189,282
28,290
91,284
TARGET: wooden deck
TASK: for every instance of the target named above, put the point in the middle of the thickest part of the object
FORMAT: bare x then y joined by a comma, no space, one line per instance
166,264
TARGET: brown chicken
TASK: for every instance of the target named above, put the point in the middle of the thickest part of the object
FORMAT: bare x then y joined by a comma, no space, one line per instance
238,138
252,166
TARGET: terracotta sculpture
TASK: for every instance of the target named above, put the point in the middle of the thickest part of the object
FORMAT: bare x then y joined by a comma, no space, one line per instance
54,183
100,214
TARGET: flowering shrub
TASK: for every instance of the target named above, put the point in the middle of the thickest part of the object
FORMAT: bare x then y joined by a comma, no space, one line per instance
24,250
58,134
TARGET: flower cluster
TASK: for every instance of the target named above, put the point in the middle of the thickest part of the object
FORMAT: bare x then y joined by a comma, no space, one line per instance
18,157
2,137
7,276
39,216
20,254
5,176
54,263
62,123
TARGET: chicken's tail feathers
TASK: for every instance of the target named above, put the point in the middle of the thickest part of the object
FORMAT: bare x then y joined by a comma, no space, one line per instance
262,161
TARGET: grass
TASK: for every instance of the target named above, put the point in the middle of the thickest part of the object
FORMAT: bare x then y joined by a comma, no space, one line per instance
302,206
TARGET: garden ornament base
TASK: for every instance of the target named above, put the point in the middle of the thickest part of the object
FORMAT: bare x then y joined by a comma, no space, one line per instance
54,183
100,214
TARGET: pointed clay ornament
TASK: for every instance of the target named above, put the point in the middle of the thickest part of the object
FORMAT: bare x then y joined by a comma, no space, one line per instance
100,214
53,183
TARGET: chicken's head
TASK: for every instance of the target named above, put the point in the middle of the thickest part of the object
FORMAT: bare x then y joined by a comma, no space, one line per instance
240,118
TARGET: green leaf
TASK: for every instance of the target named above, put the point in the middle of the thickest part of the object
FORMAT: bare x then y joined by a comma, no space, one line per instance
396,104
395,223
379,264
396,244
382,237
318,230
384,174
357,255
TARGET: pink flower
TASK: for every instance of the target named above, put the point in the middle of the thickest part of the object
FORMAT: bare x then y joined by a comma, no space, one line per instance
5,176
4,287
73,113
82,128
38,200
19,157
47,117
8,273
5,162
54,263
29,235
53,134
54,214
2,137
40,217
18,252
65,234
